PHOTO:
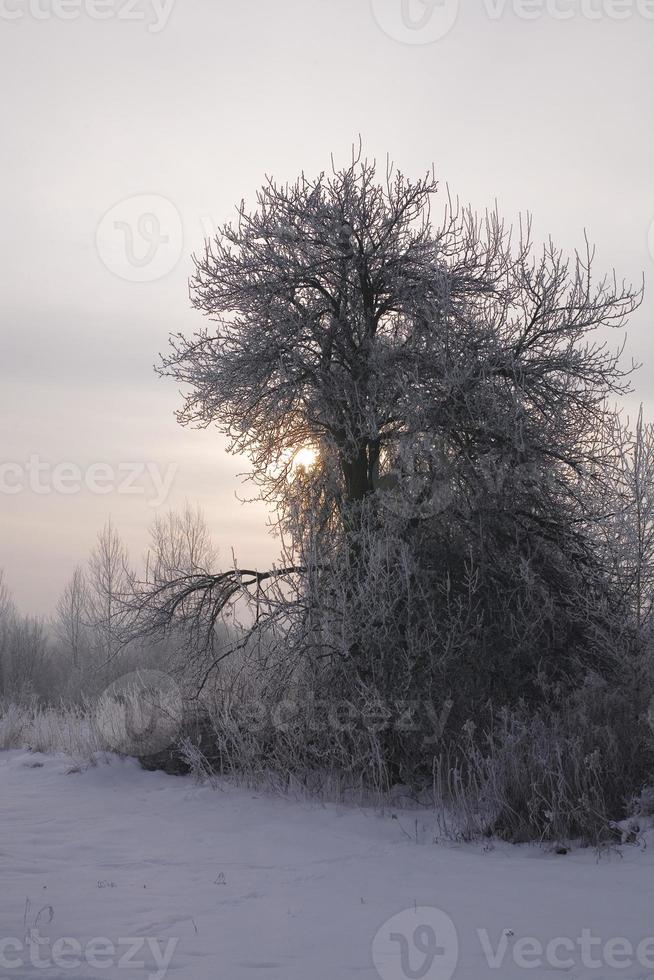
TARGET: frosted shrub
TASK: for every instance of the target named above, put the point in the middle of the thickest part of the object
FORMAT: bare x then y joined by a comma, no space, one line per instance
567,771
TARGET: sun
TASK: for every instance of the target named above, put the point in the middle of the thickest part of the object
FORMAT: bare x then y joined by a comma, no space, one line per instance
305,458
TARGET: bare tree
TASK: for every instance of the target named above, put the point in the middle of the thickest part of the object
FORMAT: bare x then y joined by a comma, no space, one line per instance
5,597
107,587
6,616
450,379
348,322
71,623
180,545
23,649
629,531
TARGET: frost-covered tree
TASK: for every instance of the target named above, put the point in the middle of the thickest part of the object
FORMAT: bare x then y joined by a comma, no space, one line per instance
628,533
452,381
347,321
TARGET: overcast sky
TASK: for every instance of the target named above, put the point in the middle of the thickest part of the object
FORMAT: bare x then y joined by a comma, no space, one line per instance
180,109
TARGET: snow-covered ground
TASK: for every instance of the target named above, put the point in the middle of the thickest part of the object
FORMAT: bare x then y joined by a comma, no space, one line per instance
114,864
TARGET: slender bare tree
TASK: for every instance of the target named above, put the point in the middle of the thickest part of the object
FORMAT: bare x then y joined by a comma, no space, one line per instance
629,531
71,623
107,586
180,545
5,597
6,610
23,648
